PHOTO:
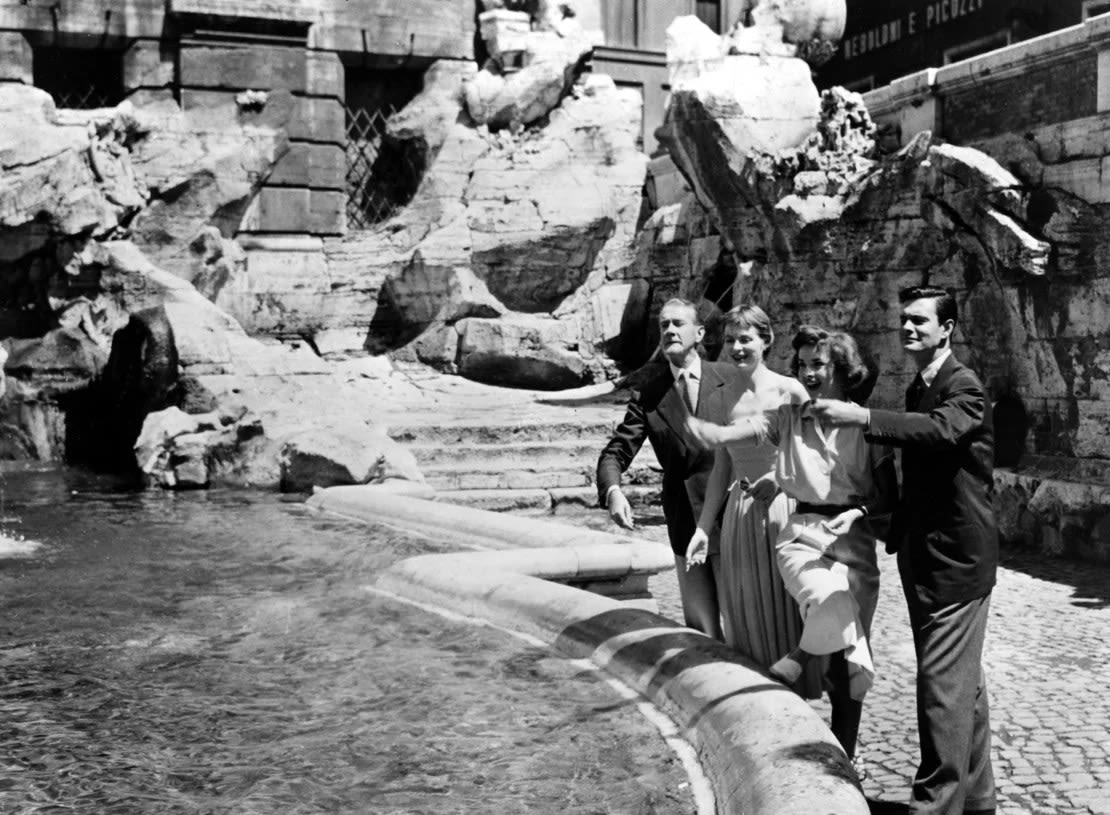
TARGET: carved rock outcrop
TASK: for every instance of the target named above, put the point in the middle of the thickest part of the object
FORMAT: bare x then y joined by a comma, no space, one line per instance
536,52
827,231
492,233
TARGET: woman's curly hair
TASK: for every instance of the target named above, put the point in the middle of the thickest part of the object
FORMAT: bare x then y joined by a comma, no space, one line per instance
855,375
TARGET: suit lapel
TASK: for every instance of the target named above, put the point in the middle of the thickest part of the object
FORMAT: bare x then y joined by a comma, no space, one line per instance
939,385
672,410
670,407
708,393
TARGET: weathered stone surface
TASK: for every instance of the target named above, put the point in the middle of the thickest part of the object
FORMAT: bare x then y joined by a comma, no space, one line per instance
324,75
521,351
761,102
60,181
798,21
203,168
529,71
317,119
147,65
352,454
492,230
61,360
16,58
177,450
1058,516
504,33
259,67
320,166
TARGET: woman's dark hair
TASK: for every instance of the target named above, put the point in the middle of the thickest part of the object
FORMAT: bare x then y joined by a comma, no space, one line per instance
844,357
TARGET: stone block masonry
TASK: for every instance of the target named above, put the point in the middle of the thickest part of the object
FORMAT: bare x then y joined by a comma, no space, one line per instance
1056,78
205,53
1057,92
300,195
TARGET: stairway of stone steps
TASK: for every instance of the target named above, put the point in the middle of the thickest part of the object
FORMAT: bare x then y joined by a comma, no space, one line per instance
521,466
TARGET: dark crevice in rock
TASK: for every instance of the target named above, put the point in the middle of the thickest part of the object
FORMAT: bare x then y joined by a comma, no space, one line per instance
140,377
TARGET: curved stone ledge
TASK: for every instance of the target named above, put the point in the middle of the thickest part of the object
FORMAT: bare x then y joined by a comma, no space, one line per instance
763,748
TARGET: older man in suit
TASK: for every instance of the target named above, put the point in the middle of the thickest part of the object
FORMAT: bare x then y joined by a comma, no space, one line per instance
683,384
947,542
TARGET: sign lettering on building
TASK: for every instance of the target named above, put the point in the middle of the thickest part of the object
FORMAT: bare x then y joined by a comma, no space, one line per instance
929,15
257,9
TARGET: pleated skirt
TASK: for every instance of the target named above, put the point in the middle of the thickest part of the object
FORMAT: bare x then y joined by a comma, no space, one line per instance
759,617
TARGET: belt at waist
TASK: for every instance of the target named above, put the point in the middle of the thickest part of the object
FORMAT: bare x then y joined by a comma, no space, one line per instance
828,510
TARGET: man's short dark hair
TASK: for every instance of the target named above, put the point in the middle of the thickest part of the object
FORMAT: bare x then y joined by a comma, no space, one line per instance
946,302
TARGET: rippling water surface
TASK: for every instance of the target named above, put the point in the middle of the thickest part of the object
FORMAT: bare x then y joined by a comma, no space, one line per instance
216,652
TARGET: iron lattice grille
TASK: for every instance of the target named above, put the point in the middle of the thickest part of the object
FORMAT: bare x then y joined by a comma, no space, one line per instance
371,197
78,78
86,98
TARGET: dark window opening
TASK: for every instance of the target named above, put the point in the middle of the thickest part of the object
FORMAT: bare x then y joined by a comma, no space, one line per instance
382,173
709,12
80,78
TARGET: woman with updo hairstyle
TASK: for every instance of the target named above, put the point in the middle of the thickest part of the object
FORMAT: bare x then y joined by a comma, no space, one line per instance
759,618
826,551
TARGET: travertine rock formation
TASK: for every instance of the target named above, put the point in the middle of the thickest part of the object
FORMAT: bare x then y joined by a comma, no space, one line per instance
826,231
99,335
505,265
535,52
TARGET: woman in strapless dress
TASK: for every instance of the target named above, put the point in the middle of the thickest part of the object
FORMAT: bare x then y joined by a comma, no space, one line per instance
759,617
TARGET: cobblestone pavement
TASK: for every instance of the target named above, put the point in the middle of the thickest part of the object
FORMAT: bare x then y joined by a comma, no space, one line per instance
1048,671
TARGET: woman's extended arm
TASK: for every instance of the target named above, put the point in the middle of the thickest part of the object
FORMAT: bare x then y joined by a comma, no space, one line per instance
748,429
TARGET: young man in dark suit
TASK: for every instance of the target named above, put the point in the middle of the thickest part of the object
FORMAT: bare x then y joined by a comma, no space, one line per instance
682,383
947,542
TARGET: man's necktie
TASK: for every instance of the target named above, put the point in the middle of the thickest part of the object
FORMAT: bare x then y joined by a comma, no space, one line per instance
686,388
915,392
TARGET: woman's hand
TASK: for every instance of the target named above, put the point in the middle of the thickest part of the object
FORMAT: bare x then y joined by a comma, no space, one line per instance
697,550
704,433
843,522
763,489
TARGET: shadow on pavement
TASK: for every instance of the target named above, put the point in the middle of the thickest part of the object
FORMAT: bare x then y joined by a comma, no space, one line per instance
1090,581
887,807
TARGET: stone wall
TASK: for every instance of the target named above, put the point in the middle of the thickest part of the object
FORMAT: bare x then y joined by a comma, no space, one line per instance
1057,92
1055,78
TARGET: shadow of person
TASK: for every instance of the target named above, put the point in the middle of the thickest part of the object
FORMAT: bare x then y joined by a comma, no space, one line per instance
887,807
1090,582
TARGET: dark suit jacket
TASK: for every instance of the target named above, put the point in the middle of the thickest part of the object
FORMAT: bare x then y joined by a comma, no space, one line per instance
944,523
656,413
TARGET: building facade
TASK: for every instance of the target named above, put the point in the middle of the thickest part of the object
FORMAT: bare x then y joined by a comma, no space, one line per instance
347,66
887,39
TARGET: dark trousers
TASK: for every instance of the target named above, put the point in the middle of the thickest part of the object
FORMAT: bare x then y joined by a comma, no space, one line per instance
953,715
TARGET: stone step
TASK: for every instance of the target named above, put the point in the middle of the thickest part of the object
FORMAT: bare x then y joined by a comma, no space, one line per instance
539,471
533,455
544,500
465,478
504,433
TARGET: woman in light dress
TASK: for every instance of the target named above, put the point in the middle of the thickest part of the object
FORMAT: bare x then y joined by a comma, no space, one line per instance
759,617
826,551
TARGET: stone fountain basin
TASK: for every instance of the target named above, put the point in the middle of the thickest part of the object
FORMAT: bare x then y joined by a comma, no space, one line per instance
762,748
